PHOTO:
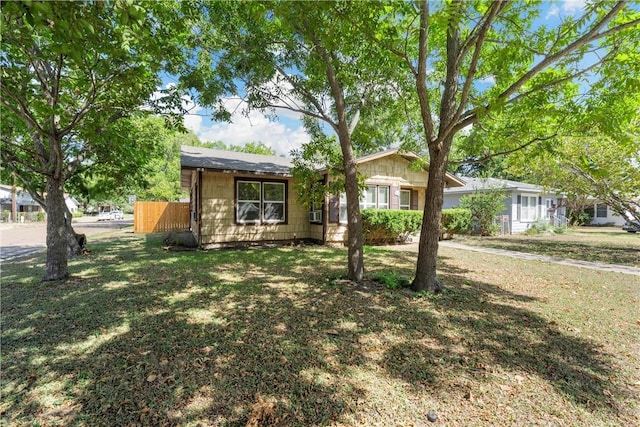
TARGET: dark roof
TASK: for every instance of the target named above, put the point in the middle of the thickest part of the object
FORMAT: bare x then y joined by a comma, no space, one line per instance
232,161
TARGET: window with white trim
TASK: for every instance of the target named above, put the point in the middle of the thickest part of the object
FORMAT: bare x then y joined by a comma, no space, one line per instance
369,199
383,197
375,197
528,208
343,207
260,202
405,200
601,210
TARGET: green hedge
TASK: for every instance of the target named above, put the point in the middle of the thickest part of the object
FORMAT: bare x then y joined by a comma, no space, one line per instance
454,221
387,226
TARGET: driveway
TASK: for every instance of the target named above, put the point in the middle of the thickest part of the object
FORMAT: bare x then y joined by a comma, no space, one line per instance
23,239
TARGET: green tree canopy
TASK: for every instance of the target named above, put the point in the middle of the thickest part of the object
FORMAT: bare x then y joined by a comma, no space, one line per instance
307,57
473,63
74,75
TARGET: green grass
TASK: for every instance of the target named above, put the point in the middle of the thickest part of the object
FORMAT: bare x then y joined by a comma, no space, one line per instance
605,245
144,336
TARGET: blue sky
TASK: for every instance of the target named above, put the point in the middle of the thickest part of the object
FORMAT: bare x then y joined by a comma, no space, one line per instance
286,132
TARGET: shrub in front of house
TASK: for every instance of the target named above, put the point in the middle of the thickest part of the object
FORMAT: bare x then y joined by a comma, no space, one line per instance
388,226
484,208
455,221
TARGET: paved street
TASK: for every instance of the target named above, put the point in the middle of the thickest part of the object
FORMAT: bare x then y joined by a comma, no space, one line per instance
23,239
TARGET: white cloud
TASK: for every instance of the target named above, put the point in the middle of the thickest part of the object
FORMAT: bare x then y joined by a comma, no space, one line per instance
489,80
253,126
245,126
553,11
569,7
573,6
192,120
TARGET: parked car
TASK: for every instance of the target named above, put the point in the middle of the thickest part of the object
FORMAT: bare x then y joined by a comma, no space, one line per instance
631,227
116,214
109,215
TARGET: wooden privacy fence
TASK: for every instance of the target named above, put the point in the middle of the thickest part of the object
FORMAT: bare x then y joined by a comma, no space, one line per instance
154,217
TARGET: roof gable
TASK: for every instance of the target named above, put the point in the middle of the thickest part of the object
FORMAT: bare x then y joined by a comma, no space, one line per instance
194,158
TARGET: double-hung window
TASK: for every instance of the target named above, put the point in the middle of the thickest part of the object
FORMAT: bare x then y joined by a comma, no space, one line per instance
601,210
375,197
343,207
528,208
369,199
260,202
405,200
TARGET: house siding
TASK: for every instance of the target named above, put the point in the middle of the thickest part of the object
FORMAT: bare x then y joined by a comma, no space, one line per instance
391,171
612,217
218,214
511,208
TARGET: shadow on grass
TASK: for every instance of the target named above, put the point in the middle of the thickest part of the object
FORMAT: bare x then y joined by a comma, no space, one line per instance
140,335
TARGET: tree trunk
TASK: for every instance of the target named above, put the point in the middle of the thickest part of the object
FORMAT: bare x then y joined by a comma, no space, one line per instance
73,245
355,239
57,231
426,277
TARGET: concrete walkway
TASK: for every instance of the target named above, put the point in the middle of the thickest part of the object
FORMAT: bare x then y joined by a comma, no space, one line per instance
533,257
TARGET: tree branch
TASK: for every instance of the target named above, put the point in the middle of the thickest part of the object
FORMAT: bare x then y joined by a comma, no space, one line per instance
421,77
592,35
479,37
486,157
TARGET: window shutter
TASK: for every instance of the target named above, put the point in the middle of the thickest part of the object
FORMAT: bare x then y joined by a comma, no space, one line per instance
394,197
414,200
539,200
519,206
334,208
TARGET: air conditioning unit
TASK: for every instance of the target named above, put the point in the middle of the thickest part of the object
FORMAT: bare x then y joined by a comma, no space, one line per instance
315,216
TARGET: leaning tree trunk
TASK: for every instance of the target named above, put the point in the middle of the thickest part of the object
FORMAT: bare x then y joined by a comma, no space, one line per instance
74,247
426,277
57,231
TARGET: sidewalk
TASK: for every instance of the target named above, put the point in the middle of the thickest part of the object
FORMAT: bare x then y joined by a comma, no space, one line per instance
532,257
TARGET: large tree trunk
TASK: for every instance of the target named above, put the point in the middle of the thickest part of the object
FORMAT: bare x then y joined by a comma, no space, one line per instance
355,239
426,277
57,231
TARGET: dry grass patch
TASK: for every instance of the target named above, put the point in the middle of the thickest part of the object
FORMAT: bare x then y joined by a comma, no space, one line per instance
273,336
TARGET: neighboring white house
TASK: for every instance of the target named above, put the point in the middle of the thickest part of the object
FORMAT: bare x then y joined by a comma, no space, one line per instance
604,215
524,203
26,207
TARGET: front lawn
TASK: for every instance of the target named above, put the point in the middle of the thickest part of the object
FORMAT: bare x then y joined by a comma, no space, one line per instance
143,336
606,245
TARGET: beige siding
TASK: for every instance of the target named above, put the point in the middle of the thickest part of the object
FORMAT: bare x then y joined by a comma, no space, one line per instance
336,234
192,207
392,170
218,215
315,232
